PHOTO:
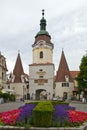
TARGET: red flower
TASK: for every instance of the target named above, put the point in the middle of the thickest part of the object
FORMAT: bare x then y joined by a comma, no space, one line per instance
9,117
77,116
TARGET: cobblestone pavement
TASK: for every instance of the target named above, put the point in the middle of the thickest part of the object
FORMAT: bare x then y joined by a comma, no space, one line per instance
14,105
79,105
10,106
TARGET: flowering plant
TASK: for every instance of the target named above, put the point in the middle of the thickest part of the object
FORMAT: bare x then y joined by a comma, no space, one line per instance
9,117
77,117
63,115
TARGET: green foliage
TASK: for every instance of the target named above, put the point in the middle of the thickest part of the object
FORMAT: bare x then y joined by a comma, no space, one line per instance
12,97
43,112
58,102
1,94
82,76
34,102
57,123
2,124
7,96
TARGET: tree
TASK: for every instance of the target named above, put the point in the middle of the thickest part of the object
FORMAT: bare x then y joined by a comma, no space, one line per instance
1,93
82,76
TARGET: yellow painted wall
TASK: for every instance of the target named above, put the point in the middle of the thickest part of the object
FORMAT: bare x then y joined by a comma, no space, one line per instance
47,55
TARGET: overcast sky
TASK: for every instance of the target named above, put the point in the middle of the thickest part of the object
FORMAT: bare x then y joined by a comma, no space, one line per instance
66,23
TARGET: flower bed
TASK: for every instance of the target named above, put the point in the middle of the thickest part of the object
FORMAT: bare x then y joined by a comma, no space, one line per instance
63,116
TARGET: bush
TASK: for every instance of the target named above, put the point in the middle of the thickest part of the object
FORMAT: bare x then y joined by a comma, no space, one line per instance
1,94
11,97
42,114
6,97
58,102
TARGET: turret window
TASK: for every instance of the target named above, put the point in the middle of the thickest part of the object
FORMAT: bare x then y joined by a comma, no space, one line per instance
41,54
65,84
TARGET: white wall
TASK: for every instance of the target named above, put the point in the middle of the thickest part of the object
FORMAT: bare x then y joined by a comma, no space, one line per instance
49,69
59,90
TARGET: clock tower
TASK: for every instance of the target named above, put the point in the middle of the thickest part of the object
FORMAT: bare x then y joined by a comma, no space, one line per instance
42,47
41,71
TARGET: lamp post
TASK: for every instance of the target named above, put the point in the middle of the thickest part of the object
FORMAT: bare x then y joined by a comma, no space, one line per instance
23,93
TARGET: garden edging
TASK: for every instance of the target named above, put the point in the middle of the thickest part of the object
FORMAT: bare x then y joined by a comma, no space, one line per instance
84,127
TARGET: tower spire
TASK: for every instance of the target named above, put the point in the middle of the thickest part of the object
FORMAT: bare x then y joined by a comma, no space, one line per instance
43,22
42,26
18,69
42,13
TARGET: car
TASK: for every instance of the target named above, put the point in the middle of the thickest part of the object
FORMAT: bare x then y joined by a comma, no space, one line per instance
58,98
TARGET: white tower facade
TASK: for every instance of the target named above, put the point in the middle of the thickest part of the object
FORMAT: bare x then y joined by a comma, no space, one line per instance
41,71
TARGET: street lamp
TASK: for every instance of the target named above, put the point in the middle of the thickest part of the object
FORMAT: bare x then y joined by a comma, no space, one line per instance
23,93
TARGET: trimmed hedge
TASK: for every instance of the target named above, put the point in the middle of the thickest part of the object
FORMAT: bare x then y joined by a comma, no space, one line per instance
42,114
58,102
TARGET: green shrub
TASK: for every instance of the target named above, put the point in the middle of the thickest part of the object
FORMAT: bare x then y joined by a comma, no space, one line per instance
42,114
34,102
58,102
12,97
1,94
5,96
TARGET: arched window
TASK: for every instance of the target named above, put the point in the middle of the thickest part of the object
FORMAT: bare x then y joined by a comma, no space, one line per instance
41,54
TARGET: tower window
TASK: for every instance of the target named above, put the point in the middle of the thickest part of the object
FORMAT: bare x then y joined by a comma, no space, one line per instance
41,54
40,70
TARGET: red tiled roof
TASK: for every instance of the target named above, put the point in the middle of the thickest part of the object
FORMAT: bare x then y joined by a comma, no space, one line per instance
42,37
74,73
18,69
63,70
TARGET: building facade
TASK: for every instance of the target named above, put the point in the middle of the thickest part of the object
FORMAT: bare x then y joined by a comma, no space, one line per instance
19,81
64,85
41,84
3,70
41,71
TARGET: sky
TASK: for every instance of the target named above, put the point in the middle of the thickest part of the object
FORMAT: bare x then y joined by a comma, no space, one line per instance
66,23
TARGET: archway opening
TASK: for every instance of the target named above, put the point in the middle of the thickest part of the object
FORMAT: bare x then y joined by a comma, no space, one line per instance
41,94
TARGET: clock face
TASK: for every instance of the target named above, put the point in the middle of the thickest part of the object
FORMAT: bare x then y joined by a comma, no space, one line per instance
41,43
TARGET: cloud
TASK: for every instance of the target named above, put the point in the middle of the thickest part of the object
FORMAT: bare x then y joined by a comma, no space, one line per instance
66,23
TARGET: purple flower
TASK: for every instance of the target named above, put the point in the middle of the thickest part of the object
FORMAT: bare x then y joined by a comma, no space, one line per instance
61,113
26,111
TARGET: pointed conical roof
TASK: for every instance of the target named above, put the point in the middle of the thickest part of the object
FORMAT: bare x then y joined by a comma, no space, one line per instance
18,69
63,70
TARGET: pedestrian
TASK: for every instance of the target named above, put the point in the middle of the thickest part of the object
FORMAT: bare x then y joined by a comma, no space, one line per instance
83,100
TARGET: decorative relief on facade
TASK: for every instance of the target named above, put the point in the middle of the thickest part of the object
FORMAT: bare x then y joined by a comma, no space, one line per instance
40,81
41,73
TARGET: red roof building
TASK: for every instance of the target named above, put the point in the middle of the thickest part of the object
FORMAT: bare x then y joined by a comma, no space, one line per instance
63,70
18,69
